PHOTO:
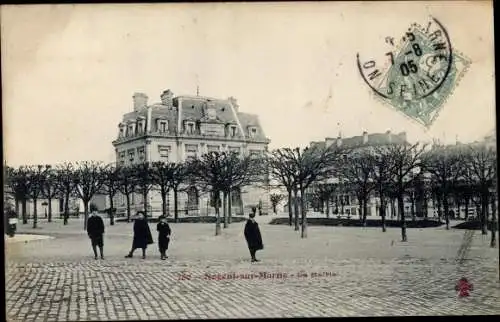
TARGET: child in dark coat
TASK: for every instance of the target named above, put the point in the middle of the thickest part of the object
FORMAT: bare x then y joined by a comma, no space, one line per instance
142,235
163,236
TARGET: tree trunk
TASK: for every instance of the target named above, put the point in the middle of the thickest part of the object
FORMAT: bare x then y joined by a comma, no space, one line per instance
365,209
412,200
446,211
466,201
493,220
484,212
66,208
50,208
290,212
23,210
229,205
127,196
217,214
35,214
111,210
382,213
336,204
164,194
296,210
327,207
16,200
360,208
440,213
303,213
176,207
145,202
401,210
224,208
85,213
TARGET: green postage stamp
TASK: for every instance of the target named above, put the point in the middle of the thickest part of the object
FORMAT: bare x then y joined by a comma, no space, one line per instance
417,75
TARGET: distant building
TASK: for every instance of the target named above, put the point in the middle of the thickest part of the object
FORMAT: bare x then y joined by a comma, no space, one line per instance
185,127
345,202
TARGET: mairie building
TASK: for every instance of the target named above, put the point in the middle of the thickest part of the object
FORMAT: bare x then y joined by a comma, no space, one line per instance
182,127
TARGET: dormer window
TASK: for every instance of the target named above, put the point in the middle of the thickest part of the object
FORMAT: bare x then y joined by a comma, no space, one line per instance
233,130
140,125
130,130
252,132
122,132
162,125
189,127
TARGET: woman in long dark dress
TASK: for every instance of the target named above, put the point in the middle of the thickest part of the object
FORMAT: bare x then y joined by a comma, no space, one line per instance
253,236
142,235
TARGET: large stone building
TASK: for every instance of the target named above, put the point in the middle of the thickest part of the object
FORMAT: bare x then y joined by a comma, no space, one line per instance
182,127
345,202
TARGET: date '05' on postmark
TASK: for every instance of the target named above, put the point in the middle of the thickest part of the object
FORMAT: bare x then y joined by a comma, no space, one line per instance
416,75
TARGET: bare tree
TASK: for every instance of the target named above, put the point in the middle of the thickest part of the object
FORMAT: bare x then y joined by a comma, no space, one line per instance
144,181
162,176
281,170
180,174
37,175
480,172
65,181
444,163
50,189
208,174
126,185
111,183
276,198
239,171
358,173
18,181
323,193
89,178
312,164
382,168
406,159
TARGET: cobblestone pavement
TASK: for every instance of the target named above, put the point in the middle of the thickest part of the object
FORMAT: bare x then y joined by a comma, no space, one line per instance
350,272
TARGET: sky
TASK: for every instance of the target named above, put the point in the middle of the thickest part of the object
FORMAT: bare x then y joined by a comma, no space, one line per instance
69,74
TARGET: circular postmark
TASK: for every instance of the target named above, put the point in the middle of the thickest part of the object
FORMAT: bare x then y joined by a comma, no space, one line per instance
413,69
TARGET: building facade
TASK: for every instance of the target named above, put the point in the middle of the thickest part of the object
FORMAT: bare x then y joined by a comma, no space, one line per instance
182,127
345,203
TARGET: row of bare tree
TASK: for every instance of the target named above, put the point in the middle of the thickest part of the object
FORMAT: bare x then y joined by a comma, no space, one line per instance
389,171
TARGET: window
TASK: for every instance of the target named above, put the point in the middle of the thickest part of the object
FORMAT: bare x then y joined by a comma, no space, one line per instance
130,130
131,156
191,151
190,128
163,126
141,153
122,163
233,130
212,148
164,152
252,132
255,152
121,132
235,149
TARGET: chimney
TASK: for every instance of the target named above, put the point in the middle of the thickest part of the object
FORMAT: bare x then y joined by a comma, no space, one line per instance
389,136
365,137
234,103
167,98
140,101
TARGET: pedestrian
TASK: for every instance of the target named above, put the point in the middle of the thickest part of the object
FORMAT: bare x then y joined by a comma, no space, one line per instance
253,236
142,235
163,236
95,230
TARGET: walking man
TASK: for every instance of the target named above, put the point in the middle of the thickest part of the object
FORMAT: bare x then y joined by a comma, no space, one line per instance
253,236
163,236
95,230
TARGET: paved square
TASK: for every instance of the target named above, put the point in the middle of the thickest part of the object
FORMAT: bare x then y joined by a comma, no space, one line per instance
334,272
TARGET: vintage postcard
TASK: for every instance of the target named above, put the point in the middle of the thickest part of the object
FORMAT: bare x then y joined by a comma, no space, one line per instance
249,160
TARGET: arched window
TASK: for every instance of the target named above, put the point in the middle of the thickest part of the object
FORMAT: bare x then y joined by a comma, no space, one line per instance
193,198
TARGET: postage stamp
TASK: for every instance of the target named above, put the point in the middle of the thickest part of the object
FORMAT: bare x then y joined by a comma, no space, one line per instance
417,75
